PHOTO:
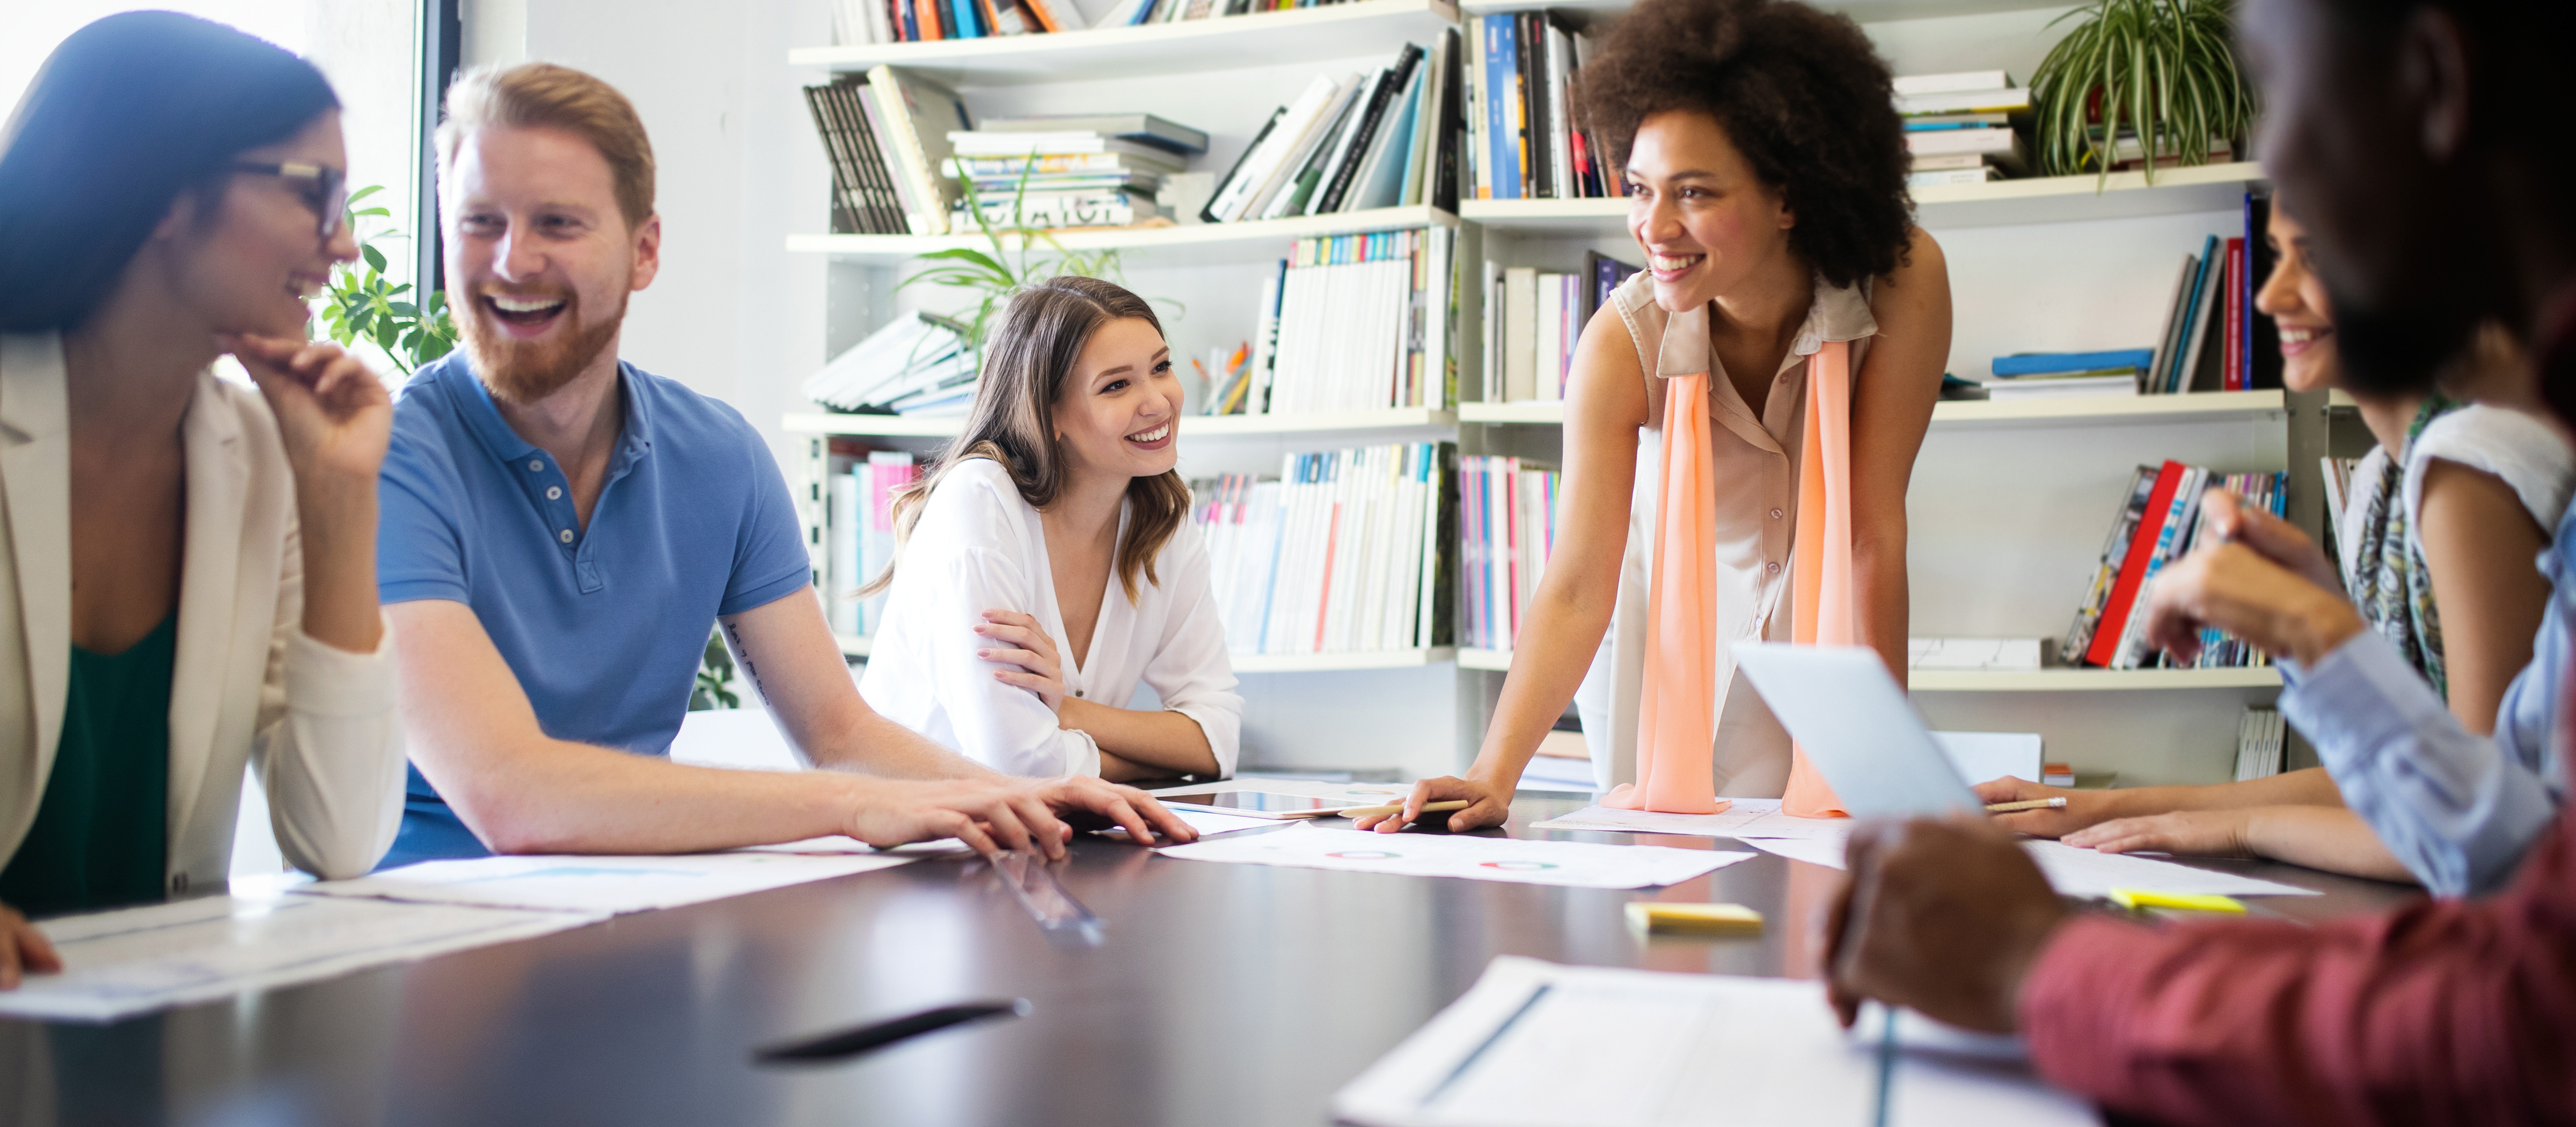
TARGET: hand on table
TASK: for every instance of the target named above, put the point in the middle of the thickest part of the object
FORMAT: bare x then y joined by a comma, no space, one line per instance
1019,640
1134,810
999,813
2083,807
23,949
2200,833
1487,805
1944,917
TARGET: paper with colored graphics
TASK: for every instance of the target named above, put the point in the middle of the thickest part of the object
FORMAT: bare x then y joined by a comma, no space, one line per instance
1571,864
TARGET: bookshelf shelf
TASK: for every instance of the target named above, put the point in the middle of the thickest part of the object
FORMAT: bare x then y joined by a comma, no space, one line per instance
2090,680
853,645
2047,199
947,426
1336,662
1493,660
2204,406
1330,31
1200,243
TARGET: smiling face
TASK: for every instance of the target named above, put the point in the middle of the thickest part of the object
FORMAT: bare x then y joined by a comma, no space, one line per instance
2296,301
541,255
1116,412
1706,222
249,258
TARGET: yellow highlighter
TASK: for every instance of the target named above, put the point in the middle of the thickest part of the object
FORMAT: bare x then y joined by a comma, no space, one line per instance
2140,899
1693,919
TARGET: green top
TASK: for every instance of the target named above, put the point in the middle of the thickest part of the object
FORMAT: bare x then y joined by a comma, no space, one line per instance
101,838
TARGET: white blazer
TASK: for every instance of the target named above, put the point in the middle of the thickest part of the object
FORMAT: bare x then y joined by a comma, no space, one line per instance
248,685
979,547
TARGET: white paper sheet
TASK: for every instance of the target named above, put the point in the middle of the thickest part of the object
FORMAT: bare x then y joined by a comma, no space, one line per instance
136,960
1355,793
1571,864
1606,1047
603,884
2081,872
1208,825
1746,817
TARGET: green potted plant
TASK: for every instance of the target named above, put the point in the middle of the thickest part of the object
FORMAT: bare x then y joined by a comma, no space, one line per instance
2163,71
362,305
989,278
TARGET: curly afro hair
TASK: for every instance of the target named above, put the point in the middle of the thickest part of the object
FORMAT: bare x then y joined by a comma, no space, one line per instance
1801,93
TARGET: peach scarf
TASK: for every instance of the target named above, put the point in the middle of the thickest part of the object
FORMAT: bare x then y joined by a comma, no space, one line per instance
1678,699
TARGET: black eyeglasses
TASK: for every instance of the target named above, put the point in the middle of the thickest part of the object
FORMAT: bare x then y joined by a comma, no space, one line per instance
326,189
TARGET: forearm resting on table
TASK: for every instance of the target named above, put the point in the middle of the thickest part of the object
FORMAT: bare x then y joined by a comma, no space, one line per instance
2329,838
2305,787
1139,744
559,797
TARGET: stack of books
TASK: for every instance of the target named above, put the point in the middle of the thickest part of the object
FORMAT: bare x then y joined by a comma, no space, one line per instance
1355,323
1352,142
2259,736
1097,170
860,529
2068,375
857,22
1533,320
1507,530
917,365
1525,139
1139,13
1342,553
887,137
1963,128
2160,520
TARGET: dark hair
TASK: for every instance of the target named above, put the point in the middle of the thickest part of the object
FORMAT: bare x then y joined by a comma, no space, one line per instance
128,113
1800,93
1012,422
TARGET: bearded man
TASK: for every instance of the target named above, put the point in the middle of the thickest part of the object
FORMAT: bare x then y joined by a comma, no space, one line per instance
560,528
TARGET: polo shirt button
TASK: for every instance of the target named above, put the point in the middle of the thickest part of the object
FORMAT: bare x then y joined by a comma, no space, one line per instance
1775,514
555,493
536,465
566,537
1773,567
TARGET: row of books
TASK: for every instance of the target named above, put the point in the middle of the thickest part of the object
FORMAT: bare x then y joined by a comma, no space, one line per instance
1139,13
1526,139
918,364
1353,142
1355,323
1507,531
859,534
2068,375
859,22
1343,552
2260,734
1534,318
2160,520
1964,127
886,133
1063,171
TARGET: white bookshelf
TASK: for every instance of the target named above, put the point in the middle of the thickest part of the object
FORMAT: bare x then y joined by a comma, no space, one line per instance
1302,35
1260,240
2048,199
1319,422
1351,661
2206,406
1495,661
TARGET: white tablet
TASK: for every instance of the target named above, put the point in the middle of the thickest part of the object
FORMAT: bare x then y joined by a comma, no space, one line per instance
1859,729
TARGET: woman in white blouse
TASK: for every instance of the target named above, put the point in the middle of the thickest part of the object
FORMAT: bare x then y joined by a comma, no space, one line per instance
188,581
1048,565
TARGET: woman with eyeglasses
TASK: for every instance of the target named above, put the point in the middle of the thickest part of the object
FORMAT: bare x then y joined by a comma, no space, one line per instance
187,566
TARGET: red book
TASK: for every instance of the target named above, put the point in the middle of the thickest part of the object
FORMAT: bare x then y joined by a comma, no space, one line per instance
2232,369
2133,568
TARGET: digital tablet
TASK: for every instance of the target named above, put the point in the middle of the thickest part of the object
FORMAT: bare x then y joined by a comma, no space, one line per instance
1255,803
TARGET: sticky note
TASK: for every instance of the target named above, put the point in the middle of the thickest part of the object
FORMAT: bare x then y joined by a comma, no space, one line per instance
1694,919
2140,899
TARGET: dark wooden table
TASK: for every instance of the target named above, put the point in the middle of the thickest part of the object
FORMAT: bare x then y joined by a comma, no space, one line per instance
1223,994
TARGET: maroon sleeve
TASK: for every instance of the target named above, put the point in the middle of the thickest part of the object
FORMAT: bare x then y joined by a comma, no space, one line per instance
2446,1012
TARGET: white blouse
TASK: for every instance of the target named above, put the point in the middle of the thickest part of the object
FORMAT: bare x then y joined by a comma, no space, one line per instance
980,547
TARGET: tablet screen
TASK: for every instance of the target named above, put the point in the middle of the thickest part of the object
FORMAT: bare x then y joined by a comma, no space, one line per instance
1253,801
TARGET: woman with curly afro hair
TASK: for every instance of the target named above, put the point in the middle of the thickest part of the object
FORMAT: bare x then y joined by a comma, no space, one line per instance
1741,418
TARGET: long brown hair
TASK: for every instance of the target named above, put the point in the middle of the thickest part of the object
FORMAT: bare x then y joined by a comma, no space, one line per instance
1012,421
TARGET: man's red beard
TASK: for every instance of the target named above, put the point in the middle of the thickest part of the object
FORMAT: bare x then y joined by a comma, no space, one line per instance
524,371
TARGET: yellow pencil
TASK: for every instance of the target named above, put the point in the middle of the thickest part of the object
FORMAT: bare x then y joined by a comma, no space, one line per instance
2026,804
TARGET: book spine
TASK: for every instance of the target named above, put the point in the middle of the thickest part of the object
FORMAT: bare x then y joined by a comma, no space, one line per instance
1501,116
2105,644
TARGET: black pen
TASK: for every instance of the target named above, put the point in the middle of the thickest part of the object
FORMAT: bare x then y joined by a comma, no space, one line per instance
878,1034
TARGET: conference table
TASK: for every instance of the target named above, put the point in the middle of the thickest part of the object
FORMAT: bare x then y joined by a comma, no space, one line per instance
1218,994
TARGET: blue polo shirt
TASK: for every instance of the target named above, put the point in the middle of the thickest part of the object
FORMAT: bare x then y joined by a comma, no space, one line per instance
604,626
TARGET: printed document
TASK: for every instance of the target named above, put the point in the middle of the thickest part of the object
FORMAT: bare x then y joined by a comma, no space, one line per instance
1571,864
1534,1044
135,960
613,885
2080,872
1745,818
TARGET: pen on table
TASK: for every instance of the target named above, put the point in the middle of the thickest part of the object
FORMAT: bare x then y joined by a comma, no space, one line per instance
878,1034
1398,808
2058,803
